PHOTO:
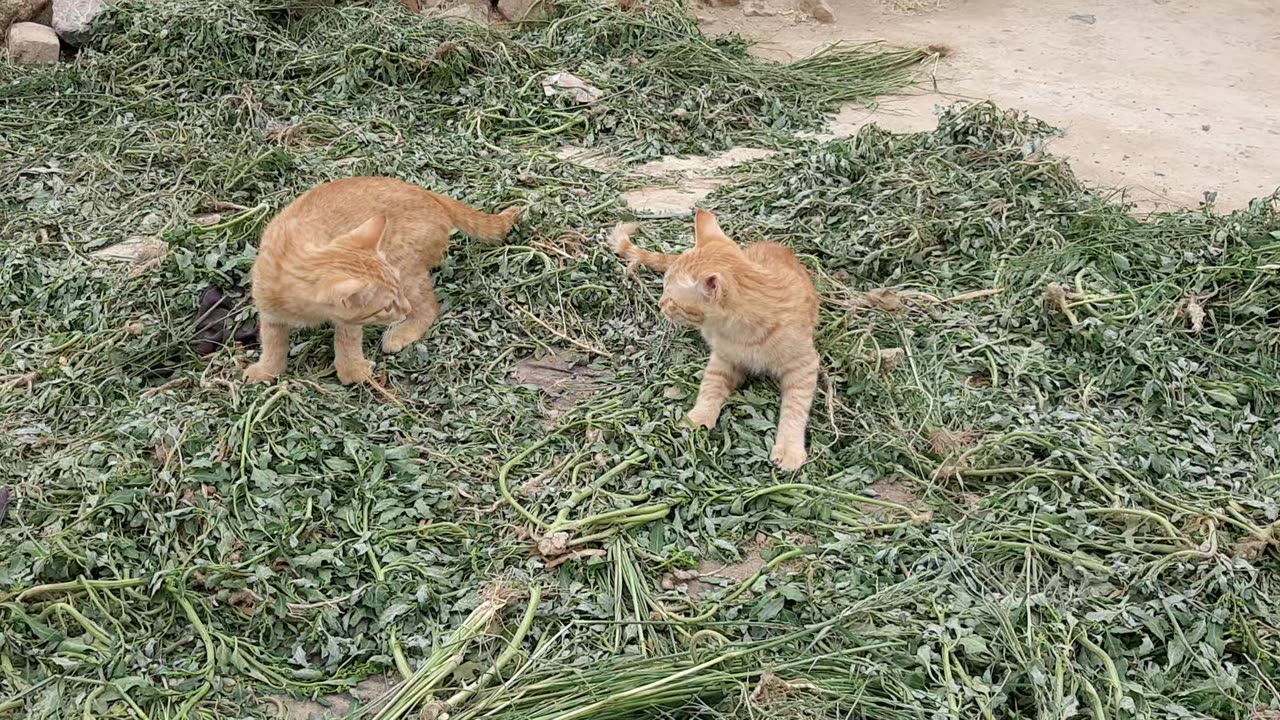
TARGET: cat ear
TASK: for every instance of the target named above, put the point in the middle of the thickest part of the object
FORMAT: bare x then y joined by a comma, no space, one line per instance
369,235
348,293
706,228
710,286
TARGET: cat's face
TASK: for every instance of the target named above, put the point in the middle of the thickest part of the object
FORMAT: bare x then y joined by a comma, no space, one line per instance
357,283
368,300
693,287
688,295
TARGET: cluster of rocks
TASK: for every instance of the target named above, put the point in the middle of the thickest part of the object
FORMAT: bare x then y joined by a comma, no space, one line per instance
35,30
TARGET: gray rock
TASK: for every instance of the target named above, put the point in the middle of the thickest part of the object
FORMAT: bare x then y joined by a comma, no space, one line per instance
73,19
817,9
757,8
16,11
466,12
525,10
32,44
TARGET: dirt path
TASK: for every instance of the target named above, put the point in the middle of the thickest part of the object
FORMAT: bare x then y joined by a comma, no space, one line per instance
1168,98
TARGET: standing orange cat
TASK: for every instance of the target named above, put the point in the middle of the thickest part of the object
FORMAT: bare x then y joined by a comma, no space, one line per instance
756,308
357,252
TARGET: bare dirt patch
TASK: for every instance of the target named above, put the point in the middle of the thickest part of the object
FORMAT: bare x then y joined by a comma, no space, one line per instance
1166,99
686,181
339,705
564,378
711,575
911,7
587,157
897,491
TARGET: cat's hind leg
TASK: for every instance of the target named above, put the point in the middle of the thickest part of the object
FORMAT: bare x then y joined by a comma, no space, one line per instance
422,298
798,383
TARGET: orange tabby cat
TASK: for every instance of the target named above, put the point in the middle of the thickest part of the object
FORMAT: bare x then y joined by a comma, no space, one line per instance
756,308
357,252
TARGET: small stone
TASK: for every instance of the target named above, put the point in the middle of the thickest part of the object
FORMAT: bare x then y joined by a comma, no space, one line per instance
818,10
467,12
73,19
32,44
524,10
1086,19
754,8
151,223
1205,127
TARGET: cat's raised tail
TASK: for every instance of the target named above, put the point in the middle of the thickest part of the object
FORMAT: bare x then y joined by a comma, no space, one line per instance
476,224
620,243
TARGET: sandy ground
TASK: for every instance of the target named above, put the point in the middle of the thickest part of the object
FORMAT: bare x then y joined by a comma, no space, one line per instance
1165,98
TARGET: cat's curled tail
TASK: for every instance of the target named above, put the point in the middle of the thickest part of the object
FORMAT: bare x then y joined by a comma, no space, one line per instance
620,243
476,224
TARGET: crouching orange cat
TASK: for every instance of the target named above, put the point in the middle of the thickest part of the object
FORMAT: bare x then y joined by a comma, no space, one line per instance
357,252
756,308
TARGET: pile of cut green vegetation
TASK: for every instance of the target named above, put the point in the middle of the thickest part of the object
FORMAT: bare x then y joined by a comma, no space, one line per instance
1045,452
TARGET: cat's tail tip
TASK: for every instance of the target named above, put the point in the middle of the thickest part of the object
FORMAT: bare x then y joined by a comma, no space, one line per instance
620,238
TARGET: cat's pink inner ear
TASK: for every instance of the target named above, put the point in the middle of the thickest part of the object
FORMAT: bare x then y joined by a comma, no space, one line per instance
369,234
711,285
705,227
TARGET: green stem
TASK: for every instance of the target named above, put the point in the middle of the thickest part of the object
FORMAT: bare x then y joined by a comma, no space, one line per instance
513,647
741,587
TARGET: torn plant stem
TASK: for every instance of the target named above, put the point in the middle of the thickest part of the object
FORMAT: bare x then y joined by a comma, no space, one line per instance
437,668
804,489
972,295
245,216
578,496
1071,558
1058,295
1082,301
505,471
512,649
1156,518
397,654
626,516
81,585
562,335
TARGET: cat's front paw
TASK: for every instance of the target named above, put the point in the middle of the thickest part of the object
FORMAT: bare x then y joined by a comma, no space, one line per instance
398,338
355,371
789,456
700,418
260,372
